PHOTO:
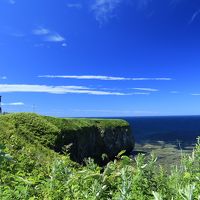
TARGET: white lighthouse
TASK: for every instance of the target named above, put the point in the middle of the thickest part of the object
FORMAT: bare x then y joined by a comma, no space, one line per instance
0,106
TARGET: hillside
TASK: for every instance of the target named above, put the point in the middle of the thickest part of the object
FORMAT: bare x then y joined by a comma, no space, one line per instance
83,137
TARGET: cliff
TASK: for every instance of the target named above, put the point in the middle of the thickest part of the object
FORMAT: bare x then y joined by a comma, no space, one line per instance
85,137
93,137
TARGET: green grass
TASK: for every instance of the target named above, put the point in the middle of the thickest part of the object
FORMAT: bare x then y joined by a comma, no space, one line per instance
29,170
76,124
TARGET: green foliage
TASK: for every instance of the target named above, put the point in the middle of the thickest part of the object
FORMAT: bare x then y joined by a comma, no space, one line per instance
3,155
33,127
30,170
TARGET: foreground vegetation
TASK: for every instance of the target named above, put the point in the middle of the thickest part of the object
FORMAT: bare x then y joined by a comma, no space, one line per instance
29,169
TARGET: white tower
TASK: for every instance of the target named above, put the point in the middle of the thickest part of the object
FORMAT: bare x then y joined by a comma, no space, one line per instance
0,106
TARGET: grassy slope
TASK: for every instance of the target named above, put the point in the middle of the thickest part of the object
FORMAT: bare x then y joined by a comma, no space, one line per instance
28,162
29,170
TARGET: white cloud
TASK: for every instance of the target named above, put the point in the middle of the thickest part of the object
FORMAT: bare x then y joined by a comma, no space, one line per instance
11,2
174,92
54,38
74,5
48,35
196,94
104,9
141,93
147,89
117,112
105,78
144,112
152,79
6,88
64,45
13,104
18,34
3,77
41,31
100,111
194,16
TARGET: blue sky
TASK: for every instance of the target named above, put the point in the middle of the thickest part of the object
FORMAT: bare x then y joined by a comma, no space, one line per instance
100,57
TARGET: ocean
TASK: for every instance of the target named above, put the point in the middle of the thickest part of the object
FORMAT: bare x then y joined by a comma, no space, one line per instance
167,137
169,129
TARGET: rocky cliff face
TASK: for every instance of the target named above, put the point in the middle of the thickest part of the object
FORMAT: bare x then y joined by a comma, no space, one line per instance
96,139
116,139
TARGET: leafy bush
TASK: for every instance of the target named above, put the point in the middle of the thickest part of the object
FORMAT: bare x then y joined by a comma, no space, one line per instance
33,127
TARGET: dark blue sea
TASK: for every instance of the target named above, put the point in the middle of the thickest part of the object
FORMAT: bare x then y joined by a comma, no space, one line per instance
169,129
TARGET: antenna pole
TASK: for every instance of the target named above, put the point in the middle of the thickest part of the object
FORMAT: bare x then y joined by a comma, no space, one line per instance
0,106
34,107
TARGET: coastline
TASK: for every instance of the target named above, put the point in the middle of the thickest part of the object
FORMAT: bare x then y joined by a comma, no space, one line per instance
167,153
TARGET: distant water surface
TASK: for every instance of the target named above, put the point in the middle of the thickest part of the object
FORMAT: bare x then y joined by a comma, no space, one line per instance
169,129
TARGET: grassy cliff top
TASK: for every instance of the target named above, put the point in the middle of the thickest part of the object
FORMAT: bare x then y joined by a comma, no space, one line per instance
78,123
46,129
72,123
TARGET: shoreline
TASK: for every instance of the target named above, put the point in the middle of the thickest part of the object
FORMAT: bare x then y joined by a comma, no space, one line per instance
167,153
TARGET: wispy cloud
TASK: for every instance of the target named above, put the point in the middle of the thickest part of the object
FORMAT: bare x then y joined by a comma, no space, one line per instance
116,112
146,113
147,89
48,35
3,77
106,78
10,31
39,45
174,92
194,16
196,94
141,93
64,44
54,38
13,104
104,9
17,34
11,2
74,5
7,88
41,31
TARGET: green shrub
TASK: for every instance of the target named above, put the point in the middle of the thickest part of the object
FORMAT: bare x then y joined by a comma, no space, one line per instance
33,128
